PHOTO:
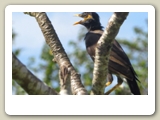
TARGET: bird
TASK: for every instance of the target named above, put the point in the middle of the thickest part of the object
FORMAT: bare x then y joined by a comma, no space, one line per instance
119,63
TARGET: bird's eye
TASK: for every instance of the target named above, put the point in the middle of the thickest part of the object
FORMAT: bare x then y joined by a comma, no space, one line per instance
89,17
84,15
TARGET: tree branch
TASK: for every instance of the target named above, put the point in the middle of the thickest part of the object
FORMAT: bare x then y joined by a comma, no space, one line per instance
103,51
65,84
59,53
30,83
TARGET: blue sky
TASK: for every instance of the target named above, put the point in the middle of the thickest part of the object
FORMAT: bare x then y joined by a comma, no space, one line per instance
30,39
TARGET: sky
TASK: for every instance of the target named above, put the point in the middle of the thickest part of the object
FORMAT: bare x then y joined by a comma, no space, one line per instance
30,38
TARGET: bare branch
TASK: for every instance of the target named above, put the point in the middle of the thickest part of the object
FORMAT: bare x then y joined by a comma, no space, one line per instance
103,51
59,53
65,84
30,83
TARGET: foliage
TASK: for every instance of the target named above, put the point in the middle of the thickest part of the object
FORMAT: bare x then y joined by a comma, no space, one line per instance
136,49
15,87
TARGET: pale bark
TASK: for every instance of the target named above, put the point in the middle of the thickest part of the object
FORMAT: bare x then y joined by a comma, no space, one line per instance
65,84
67,74
59,53
103,51
29,82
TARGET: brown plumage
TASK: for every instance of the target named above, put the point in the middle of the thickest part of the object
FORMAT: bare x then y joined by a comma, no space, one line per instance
119,63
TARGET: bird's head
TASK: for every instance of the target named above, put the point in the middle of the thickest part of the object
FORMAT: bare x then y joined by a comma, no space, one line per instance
90,20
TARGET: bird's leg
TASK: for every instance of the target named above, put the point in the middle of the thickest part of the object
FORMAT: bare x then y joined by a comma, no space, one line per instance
120,81
109,79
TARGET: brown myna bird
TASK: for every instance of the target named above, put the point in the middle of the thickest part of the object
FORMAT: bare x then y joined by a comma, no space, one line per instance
119,63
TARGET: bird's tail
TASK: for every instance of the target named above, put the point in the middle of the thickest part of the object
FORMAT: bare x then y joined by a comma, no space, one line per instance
134,87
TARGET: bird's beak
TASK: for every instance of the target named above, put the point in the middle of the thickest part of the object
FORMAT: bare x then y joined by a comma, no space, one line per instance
77,15
84,18
79,22
76,23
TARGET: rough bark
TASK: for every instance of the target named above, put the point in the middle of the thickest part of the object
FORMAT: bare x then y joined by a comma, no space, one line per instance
59,53
29,82
65,84
103,51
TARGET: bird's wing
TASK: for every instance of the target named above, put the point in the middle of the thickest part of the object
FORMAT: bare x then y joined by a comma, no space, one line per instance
119,59
119,63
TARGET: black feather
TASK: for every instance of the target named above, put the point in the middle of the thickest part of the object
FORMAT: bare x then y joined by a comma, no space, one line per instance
119,63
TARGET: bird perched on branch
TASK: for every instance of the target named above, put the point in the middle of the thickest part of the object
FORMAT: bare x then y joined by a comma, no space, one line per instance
119,63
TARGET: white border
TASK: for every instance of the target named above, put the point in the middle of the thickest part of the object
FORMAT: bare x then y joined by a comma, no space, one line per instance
80,105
